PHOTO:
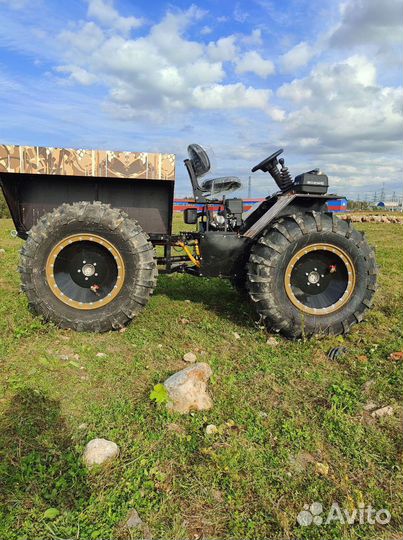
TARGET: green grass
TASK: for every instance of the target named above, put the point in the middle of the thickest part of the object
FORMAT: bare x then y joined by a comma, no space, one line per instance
279,410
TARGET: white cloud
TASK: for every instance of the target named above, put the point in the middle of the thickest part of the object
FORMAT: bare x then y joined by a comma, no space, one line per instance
85,40
230,96
224,49
344,107
254,38
163,71
104,12
252,62
297,57
368,22
206,30
77,74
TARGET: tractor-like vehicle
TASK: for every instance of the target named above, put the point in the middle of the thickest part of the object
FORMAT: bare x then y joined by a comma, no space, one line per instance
92,220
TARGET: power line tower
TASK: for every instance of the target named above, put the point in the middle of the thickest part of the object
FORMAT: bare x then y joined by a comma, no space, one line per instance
375,197
382,196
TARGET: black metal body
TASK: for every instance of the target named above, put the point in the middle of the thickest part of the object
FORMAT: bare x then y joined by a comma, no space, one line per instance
29,196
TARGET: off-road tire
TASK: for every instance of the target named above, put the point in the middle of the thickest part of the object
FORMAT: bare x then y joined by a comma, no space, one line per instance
124,234
271,255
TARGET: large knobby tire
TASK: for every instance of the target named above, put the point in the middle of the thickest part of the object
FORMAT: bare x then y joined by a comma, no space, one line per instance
310,274
88,267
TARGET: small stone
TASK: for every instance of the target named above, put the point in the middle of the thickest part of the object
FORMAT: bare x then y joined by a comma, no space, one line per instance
2,251
383,411
322,468
184,321
211,429
398,355
101,355
122,330
187,389
83,426
188,301
99,451
370,406
236,335
160,345
272,341
64,357
134,521
190,358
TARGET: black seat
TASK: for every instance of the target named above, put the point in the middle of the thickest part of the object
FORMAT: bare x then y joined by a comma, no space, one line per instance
219,185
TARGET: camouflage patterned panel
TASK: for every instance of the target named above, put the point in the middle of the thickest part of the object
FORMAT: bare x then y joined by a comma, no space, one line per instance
102,163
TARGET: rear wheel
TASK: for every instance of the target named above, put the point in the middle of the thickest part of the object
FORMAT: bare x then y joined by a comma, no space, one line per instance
311,273
88,267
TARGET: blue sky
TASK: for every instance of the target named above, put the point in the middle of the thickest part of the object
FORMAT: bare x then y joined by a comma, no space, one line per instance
321,79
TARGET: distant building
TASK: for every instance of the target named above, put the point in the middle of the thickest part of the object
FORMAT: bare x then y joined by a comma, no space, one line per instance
393,206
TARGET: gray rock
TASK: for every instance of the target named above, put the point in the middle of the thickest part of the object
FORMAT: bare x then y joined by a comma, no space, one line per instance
99,451
101,355
383,411
370,406
187,389
189,357
134,521
272,341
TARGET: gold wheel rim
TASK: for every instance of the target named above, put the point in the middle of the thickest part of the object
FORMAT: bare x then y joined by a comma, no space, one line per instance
344,298
70,240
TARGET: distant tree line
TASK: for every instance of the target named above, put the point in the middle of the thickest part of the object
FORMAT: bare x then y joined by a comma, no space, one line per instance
359,205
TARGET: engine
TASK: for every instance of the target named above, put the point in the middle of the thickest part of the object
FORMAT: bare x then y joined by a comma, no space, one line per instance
229,218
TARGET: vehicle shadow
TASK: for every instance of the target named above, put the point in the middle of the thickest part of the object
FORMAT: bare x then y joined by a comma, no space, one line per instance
214,294
38,465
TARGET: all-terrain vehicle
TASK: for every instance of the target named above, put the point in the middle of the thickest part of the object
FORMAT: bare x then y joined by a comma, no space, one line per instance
92,221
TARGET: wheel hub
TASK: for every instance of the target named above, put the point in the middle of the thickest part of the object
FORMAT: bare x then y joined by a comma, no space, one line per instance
313,277
88,269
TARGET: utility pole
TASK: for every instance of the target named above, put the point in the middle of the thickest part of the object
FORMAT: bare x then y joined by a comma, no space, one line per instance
383,192
249,187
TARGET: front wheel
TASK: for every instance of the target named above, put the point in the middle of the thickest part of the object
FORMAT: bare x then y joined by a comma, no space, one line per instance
311,273
88,267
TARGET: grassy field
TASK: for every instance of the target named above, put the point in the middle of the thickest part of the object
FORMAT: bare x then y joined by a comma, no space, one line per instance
292,423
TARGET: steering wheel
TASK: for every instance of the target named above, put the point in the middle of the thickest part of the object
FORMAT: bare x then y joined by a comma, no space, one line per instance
264,165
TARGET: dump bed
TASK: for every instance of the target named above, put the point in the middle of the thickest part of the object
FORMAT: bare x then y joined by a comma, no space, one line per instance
36,179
